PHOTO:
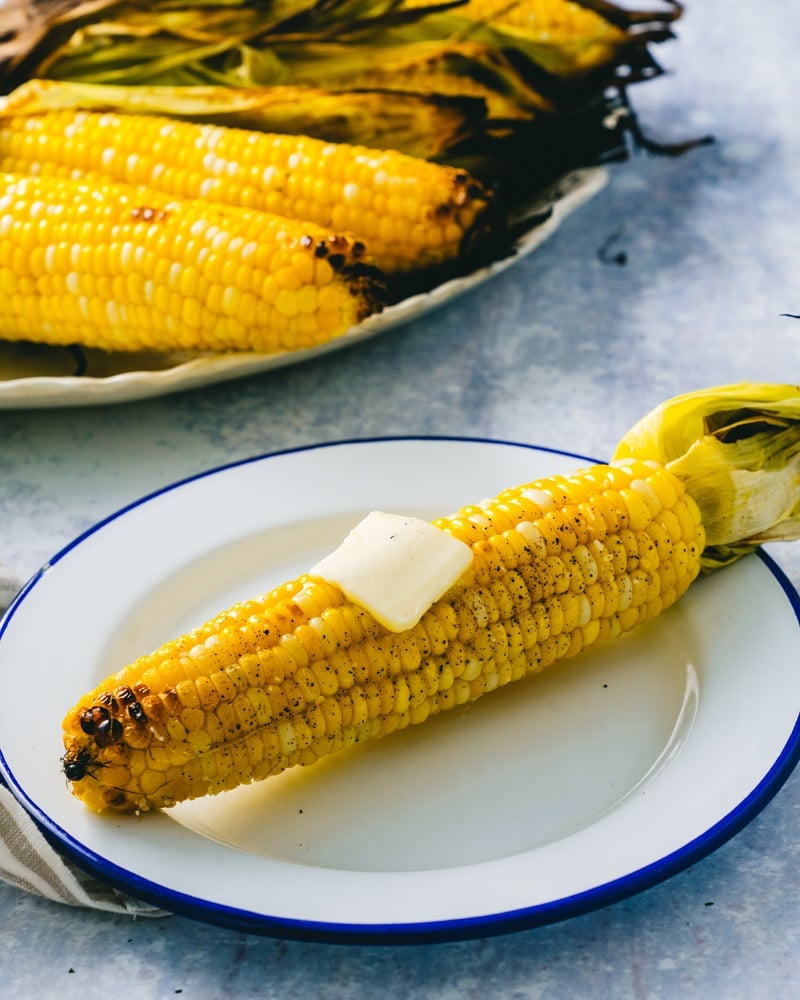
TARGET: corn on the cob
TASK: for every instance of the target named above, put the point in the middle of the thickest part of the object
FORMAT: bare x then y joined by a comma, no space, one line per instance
557,566
412,214
554,567
125,268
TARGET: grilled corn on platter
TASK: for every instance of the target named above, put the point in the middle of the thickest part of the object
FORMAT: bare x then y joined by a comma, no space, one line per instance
416,132
410,619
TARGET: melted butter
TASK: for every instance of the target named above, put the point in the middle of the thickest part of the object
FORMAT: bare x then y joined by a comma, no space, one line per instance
395,567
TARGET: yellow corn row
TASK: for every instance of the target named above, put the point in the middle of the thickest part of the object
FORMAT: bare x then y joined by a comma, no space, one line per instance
558,565
411,214
125,268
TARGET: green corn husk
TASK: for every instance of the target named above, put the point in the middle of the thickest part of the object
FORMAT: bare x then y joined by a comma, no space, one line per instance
170,43
737,448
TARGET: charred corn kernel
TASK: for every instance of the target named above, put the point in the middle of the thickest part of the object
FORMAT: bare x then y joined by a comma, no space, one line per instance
161,294
437,211
290,676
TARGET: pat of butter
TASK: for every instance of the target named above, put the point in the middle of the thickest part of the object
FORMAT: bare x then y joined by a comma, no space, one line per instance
395,567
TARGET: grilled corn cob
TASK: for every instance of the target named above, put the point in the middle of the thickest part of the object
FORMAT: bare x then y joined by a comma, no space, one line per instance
125,268
554,567
412,214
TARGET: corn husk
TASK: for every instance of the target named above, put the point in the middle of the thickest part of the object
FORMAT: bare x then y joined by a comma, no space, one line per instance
607,34
423,126
437,66
165,38
737,448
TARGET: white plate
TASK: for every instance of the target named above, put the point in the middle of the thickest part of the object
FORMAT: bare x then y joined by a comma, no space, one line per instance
553,796
35,375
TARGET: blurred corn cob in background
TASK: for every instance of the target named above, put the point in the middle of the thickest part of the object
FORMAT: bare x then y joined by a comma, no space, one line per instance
552,568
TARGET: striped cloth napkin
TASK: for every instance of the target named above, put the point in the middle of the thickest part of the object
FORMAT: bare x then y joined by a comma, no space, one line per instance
29,862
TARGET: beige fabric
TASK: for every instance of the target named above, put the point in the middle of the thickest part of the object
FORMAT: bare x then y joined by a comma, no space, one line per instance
28,861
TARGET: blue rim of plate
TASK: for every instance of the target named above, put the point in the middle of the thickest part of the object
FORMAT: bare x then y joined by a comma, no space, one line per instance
485,925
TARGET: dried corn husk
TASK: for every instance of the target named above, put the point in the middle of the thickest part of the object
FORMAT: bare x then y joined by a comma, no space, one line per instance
423,126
